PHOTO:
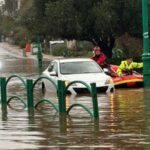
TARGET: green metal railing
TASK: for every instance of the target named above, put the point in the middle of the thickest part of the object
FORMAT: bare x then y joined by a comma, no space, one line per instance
61,89
43,100
4,83
92,90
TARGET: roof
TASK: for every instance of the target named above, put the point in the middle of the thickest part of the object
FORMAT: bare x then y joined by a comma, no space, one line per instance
73,59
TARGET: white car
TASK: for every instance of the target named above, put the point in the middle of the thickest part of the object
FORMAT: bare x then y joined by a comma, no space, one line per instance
78,69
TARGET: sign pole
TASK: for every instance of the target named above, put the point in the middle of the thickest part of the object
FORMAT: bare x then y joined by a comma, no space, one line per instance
146,54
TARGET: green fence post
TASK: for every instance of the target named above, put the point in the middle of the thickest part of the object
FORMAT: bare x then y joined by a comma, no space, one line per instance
30,94
146,53
39,56
94,98
39,53
63,123
61,96
3,91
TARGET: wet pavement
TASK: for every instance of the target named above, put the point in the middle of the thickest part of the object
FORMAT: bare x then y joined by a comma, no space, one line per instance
18,52
12,62
123,123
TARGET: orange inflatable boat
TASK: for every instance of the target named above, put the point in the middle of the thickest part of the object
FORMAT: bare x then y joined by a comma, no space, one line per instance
134,80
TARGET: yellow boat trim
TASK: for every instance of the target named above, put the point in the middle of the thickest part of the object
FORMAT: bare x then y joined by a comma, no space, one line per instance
126,81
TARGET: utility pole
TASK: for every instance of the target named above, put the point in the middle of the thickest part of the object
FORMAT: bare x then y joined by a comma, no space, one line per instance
146,53
39,55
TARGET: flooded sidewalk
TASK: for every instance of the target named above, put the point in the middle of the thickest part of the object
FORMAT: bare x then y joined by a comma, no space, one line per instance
20,52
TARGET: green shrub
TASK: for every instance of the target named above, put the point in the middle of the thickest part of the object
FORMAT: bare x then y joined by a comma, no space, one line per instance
19,36
22,43
58,50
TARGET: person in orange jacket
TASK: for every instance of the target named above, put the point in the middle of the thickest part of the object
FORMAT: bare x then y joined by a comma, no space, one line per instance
99,56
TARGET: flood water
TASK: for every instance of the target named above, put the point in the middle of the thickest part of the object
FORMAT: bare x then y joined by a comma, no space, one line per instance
123,124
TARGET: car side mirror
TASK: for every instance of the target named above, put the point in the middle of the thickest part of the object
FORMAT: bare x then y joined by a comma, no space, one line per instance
105,70
53,73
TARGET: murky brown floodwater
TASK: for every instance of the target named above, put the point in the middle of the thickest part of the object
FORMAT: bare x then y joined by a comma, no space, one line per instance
124,122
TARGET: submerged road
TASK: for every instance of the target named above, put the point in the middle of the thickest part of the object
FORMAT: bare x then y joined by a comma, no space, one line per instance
123,123
13,62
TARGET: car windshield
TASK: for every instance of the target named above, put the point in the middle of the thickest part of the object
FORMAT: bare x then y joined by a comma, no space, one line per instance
79,67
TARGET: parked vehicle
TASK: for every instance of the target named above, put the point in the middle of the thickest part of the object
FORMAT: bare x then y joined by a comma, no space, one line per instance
78,69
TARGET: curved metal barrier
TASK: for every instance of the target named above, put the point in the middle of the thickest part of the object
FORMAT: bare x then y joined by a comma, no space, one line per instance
93,93
84,107
49,102
30,90
61,93
18,98
16,76
44,77
4,84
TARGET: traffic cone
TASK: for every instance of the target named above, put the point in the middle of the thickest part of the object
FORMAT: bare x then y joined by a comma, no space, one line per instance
28,47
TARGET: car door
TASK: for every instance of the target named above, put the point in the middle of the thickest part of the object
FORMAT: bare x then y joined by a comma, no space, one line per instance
51,72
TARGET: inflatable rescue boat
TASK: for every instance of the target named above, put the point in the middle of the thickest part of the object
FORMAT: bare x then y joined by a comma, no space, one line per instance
134,80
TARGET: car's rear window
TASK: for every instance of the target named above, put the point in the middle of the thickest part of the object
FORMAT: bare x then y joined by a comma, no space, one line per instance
80,67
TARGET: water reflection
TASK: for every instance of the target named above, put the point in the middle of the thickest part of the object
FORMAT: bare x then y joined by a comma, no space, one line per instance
117,127
4,113
123,123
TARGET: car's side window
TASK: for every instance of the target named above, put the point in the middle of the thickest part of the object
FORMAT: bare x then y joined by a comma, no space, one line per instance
50,67
53,67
